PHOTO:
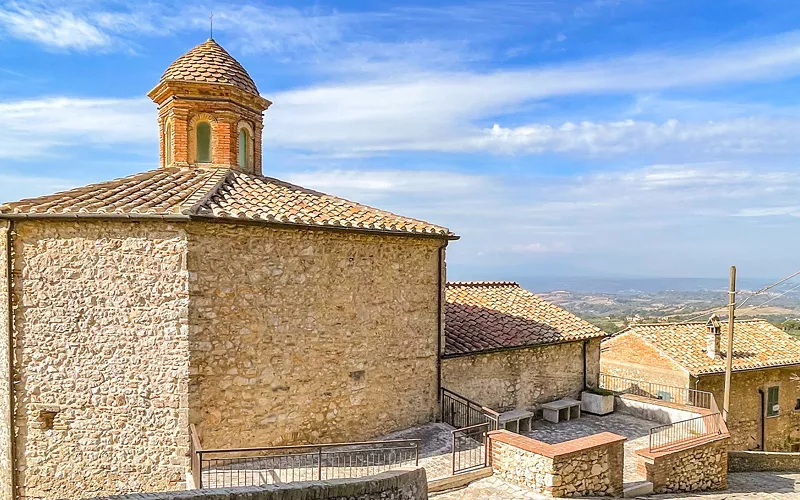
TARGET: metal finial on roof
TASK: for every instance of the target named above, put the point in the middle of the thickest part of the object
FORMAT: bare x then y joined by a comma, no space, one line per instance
211,27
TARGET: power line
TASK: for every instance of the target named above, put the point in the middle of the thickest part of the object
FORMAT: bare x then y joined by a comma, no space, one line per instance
776,297
752,294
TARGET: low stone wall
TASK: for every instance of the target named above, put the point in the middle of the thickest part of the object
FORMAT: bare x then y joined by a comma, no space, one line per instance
401,484
763,461
655,410
701,466
590,466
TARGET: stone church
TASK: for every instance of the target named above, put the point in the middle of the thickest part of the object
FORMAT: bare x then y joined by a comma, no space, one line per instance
202,292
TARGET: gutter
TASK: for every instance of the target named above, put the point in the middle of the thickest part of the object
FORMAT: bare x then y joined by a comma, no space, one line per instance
762,418
439,323
585,342
10,360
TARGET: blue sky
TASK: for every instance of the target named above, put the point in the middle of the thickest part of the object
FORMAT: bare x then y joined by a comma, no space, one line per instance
572,137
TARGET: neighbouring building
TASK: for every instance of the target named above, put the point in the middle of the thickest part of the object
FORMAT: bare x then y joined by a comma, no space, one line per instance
205,293
765,382
506,348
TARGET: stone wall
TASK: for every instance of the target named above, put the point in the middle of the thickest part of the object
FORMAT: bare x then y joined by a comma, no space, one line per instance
700,467
744,421
401,484
102,357
590,466
760,461
302,336
6,412
523,378
626,355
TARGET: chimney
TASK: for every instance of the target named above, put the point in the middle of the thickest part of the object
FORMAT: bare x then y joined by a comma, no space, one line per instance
713,334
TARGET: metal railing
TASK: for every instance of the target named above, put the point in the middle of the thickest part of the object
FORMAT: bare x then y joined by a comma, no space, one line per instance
461,412
685,431
668,393
224,468
470,450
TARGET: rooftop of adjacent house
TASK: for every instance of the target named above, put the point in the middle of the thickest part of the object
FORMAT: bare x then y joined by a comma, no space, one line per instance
756,344
217,193
483,316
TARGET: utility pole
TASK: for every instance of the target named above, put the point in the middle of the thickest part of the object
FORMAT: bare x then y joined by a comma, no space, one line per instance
729,355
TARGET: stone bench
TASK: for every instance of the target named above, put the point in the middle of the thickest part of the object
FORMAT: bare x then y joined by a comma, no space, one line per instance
563,409
521,420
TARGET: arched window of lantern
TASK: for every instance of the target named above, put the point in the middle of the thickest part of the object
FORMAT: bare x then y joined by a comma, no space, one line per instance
168,144
245,146
203,142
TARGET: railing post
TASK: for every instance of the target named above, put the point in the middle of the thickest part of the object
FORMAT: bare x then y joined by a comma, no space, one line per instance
319,464
416,453
199,483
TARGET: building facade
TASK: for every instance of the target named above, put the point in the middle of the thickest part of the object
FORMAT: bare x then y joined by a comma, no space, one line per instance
764,411
505,348
204,293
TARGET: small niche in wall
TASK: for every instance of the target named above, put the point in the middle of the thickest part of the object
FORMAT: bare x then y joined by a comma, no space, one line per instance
47,418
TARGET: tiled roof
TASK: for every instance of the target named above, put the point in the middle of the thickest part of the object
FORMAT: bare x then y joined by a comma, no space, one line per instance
218,193
210,63
491,315
756,344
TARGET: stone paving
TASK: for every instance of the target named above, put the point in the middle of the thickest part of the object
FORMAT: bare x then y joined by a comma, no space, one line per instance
635,429
743,485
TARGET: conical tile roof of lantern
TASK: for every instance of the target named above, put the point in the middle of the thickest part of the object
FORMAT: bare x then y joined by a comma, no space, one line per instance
210,63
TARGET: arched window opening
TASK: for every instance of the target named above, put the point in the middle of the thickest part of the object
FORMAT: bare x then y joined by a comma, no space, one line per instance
168,145
204,142
244,148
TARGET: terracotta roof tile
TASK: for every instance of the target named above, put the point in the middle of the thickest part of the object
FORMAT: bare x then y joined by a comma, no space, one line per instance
210,63
756,344
488,315
219,193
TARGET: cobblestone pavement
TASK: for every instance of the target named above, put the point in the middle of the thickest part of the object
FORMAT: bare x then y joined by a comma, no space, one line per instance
635,429
435,453
751,485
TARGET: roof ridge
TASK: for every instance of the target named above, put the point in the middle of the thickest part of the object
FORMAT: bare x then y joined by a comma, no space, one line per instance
486,283
219,177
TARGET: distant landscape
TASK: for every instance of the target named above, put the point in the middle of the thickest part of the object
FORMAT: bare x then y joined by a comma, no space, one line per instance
614,303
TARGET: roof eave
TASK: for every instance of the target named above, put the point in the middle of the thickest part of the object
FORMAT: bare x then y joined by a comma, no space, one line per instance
494,350
222,220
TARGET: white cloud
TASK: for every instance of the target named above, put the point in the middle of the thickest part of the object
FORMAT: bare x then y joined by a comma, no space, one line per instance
738,135
40,126
381,182
56,28
540,248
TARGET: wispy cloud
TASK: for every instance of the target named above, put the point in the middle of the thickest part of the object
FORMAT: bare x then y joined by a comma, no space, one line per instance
57,28
40,126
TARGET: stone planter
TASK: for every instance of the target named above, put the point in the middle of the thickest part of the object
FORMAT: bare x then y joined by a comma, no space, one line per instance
597,404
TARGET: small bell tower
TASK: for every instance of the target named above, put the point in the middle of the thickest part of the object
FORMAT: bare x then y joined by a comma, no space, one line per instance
210,114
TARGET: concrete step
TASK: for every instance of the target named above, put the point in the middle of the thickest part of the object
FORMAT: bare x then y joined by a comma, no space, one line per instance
637,489
459,480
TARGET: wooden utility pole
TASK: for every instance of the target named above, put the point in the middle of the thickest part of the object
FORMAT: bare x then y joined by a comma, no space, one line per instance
729,355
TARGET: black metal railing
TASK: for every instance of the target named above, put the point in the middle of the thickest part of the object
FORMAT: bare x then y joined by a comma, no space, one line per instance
470,450
668,393
461,412
224,468
685,431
